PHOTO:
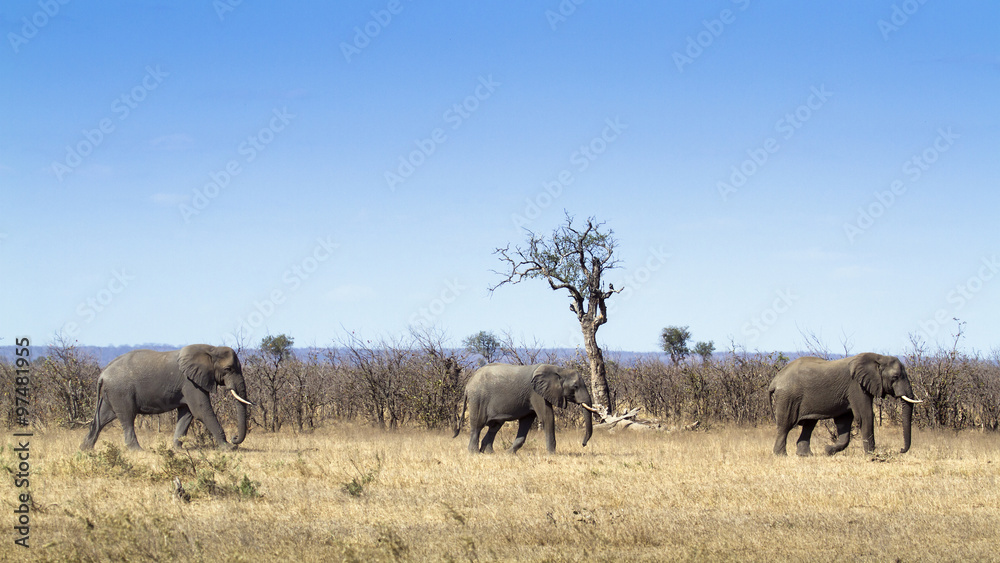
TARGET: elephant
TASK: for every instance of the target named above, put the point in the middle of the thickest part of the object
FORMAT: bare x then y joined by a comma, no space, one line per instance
497,393
149,382
811,389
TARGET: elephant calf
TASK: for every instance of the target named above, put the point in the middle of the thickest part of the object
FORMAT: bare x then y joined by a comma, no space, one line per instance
497,393
810,389
148,382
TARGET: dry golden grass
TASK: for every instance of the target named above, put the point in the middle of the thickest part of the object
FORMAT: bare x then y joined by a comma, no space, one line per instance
418,495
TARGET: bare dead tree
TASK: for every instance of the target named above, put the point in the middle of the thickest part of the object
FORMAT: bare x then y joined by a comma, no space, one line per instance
575,260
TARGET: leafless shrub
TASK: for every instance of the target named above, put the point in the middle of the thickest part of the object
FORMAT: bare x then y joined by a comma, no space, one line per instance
522,352
419,381
65,384
441,377
380,369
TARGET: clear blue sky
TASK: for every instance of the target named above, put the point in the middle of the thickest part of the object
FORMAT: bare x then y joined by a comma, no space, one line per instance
172,173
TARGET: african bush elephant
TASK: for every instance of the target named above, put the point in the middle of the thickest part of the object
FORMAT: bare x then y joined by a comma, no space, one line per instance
811,389
148,382
497,393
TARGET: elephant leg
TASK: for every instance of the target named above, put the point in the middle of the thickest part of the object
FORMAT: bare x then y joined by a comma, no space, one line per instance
104,415
184,418
491,433
781,438
867,417
844,423
474,431
523,427
549,426
128,425
201,408
802,444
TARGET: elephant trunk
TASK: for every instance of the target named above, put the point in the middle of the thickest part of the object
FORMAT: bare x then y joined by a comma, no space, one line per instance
588,425
240,389
907,422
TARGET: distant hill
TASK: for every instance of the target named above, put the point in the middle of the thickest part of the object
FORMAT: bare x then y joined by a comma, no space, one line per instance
104,354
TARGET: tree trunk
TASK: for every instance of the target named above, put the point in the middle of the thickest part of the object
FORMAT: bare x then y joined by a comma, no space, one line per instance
598,373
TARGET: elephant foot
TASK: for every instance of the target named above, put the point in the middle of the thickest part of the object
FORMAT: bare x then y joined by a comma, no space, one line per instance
830,450
802,449
779,448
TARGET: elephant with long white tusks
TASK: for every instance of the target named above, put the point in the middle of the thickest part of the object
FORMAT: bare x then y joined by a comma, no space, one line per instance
149,382
811,389
497,393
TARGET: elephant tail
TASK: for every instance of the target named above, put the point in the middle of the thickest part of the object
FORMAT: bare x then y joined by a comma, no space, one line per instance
95,425
100,402
461,418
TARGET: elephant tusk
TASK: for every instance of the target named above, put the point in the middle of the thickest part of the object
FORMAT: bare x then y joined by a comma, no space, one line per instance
589,408
240,399
909,400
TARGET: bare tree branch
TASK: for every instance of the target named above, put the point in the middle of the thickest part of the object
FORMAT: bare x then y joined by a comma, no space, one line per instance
573,259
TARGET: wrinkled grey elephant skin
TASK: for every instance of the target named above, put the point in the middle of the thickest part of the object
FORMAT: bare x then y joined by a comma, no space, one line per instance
811,389
497,393
148,382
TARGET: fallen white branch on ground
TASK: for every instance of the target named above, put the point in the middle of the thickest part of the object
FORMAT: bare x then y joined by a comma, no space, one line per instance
629,420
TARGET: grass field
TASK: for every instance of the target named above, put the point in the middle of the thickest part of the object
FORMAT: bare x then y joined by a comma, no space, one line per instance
357,494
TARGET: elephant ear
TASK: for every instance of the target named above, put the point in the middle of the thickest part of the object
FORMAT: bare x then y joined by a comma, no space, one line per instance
866,369
196,364
547,382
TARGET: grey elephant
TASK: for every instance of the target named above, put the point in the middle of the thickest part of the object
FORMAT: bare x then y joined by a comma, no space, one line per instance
497,393
149,382
811,389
